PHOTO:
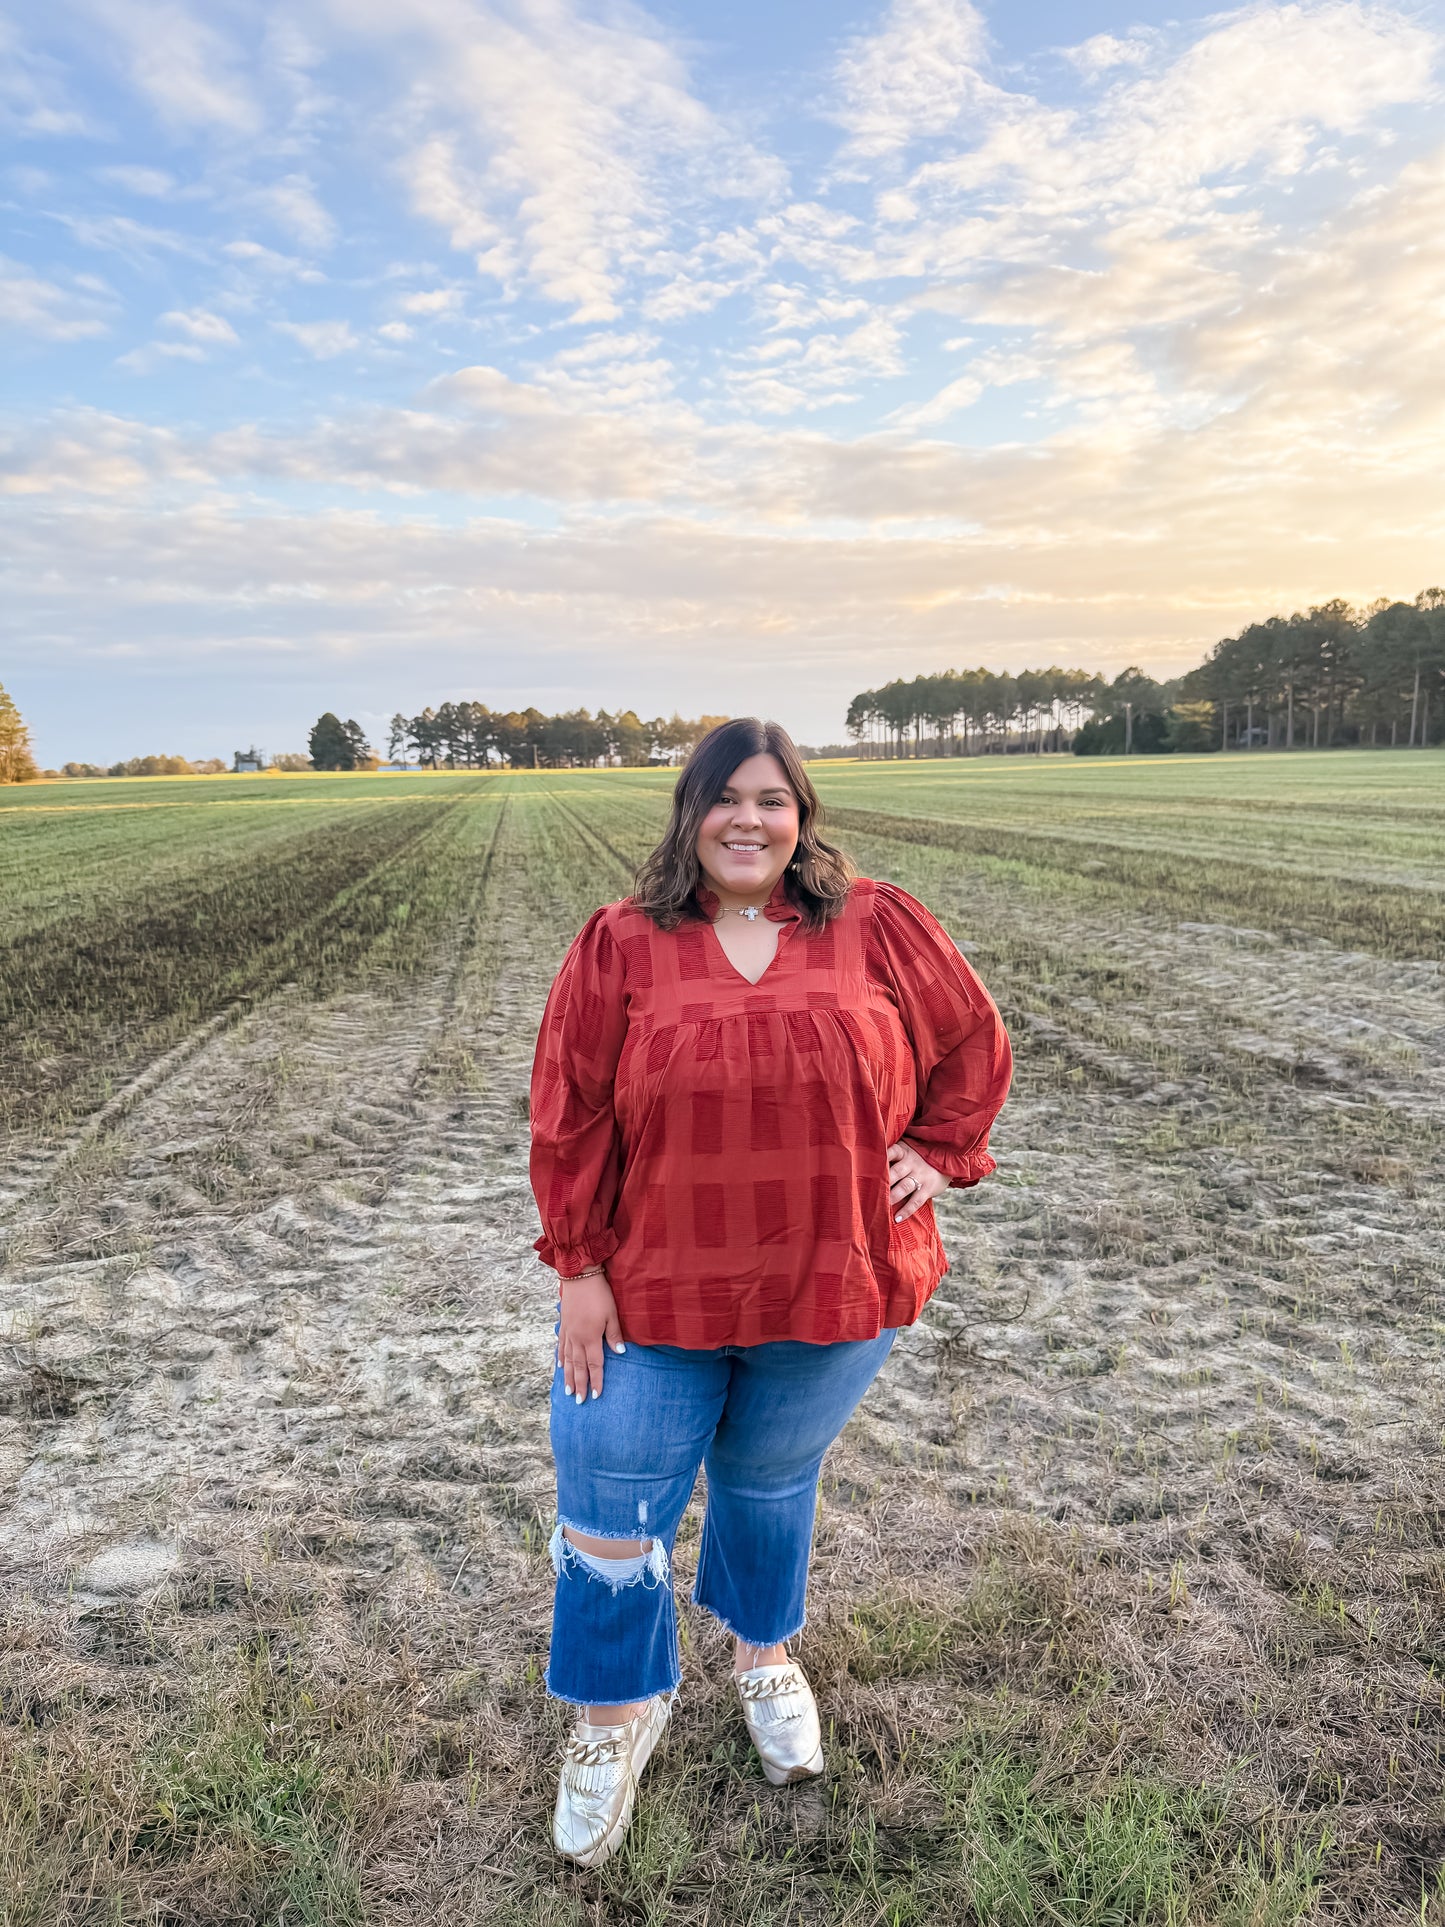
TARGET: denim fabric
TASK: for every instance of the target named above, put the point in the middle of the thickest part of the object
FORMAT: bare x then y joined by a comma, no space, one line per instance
758,1418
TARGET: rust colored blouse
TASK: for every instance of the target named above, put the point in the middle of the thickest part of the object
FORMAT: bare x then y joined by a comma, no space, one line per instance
723,1145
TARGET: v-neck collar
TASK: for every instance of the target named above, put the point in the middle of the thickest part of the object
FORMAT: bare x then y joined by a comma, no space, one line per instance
778,909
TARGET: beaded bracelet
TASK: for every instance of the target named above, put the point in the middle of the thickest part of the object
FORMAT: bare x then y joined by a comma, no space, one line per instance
592,1271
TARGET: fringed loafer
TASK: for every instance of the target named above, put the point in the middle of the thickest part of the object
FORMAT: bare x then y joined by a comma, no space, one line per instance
782,1718
601,1766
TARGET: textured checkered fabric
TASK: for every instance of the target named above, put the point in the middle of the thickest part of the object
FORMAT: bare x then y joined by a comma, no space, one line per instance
723,1146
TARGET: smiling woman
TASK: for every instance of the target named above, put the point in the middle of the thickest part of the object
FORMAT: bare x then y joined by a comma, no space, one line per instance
753,1077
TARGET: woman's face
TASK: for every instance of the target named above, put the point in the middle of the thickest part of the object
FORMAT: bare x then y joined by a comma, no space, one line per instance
749,834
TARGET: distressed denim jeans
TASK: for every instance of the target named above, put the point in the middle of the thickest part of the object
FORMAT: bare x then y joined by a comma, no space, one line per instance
758,1419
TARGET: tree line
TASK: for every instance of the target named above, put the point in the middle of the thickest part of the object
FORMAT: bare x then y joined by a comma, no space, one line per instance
1331,675
467,735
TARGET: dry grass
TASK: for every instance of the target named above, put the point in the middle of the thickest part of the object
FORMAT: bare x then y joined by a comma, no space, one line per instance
1130,1600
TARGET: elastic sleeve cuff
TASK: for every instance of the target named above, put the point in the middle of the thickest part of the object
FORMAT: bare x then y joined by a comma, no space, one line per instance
961,1168
568,1260
979,1165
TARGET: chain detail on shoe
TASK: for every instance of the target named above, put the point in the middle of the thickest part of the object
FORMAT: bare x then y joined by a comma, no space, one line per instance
580,1752
766,1689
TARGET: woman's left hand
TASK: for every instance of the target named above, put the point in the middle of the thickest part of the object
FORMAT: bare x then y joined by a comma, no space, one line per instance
911,1181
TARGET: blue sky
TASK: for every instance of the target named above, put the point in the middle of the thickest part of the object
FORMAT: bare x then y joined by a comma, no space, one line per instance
358,355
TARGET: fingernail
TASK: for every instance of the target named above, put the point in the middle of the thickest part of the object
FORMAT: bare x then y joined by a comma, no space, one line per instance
899,1218
619,1348
579,1398
596,1392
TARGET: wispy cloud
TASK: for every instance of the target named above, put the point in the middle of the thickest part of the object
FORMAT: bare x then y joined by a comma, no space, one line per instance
188,69
562,146
151,183
323,340
291,204
35,101
196,324
32,305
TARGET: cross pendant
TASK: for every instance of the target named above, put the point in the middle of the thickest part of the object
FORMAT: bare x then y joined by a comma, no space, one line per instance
750,912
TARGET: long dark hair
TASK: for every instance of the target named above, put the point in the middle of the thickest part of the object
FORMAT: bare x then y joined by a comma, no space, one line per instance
818,876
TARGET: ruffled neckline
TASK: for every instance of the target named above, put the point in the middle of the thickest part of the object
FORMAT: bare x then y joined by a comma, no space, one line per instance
779,907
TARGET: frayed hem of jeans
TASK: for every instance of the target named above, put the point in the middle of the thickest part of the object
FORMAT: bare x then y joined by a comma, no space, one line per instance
650,1569
779,1639
669,1693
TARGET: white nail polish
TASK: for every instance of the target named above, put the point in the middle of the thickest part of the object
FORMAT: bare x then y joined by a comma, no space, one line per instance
619,1348
595,1392
579,1398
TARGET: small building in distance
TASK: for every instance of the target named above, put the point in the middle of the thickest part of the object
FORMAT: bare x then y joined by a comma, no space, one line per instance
247,762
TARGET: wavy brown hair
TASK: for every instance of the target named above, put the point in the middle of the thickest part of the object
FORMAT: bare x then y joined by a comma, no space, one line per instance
818,876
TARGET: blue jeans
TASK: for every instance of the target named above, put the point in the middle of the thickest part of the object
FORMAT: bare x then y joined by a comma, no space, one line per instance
759,1418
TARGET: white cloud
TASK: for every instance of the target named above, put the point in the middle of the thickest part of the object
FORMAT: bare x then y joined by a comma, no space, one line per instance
187,69
433,301
395,331
1257,89
555,146
912,78
252,254
199,325
1103,51
322,339
34,306
292,205
151,183
137,241
144,361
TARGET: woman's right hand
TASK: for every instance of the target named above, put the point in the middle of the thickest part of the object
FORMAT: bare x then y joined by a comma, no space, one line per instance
589,1324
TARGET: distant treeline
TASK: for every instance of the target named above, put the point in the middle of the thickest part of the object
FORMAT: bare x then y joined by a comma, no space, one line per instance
471,736
148,766
1333,675
968,711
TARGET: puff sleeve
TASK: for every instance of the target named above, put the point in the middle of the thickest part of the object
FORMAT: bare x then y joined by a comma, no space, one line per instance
576,1160
960,1047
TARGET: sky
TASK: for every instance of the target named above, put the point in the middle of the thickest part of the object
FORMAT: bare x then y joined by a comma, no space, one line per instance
358,356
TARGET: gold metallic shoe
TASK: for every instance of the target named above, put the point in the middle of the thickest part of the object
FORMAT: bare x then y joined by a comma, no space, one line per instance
782,1718
601,1766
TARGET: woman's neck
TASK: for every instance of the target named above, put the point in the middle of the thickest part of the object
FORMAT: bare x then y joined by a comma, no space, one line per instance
730,900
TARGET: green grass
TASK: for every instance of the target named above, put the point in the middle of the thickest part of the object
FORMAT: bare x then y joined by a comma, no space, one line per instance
258,1786
188,909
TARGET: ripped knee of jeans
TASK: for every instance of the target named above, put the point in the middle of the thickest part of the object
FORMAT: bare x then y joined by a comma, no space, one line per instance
645,1568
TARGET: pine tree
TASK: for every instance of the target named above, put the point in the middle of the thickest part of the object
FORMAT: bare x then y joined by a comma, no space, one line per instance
17,765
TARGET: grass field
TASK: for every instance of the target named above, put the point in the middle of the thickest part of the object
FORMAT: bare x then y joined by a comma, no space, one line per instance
1130,1591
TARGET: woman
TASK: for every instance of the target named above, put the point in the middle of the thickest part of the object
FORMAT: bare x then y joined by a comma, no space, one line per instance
753,1077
